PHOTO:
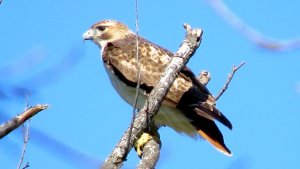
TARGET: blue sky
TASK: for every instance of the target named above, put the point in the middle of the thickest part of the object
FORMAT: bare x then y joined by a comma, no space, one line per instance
42,51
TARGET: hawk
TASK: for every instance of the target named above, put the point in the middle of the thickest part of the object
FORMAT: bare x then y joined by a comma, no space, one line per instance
188,107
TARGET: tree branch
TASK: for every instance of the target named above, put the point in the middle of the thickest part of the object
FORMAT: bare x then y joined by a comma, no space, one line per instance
15,122
230,76
26,165
152,105
150,155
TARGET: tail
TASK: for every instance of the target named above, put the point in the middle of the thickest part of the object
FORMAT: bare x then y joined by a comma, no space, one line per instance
198,105
210,132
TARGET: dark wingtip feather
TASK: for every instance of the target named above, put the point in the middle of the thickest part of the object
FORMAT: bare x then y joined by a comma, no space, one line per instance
214,114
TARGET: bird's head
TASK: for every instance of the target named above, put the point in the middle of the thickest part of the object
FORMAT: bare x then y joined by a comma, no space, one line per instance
106,31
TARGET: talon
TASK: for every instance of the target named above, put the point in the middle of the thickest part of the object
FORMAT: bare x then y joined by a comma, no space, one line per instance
140,143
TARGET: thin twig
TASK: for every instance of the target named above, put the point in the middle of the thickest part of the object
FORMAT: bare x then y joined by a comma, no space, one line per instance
15,122
138,76
152,105
26,101
25,141
26,165
230,76
25,134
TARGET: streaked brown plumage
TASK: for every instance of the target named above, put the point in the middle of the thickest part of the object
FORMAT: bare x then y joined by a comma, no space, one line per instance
188,106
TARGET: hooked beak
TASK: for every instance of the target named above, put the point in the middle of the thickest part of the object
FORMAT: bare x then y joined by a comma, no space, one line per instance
89,34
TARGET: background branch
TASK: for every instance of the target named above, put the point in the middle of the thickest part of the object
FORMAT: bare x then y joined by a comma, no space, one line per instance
15,122
152,105
251,34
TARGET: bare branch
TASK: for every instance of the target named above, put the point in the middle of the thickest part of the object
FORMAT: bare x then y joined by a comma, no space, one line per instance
25,141
250,33
26,166
15,122
152,105
230,76
150,155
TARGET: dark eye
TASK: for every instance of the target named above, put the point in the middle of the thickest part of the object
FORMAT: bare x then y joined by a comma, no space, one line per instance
101,28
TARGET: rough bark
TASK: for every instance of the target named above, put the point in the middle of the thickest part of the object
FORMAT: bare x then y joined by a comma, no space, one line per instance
150,155
15,122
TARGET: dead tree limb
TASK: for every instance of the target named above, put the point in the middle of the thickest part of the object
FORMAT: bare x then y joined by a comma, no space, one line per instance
15,122
187,49
230,76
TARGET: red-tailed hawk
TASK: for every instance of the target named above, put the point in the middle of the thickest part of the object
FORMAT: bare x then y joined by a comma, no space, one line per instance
188,106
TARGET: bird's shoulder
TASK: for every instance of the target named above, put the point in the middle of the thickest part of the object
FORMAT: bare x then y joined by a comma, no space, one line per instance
128,45
153,58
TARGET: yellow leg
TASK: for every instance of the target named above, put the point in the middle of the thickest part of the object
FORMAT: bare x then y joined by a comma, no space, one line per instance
145,137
